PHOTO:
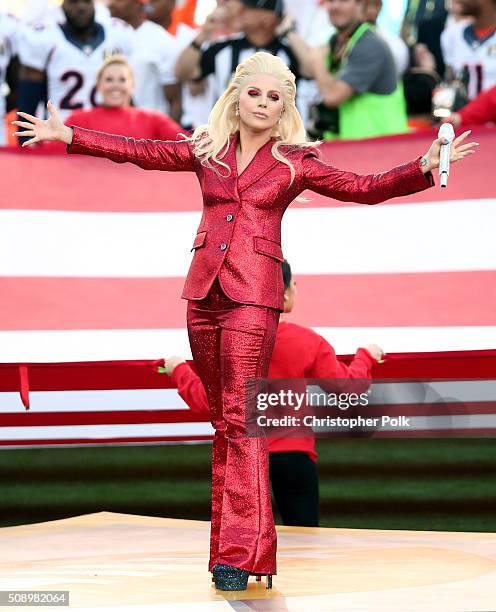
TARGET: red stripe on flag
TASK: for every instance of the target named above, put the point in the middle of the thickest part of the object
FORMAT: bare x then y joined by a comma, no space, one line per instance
407,299
332,300
107,417
91,303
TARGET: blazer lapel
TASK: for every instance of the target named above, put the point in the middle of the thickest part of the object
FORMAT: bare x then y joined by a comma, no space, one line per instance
230,183
262,163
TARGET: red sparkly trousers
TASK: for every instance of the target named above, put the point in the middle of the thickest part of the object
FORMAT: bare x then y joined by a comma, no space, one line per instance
232,342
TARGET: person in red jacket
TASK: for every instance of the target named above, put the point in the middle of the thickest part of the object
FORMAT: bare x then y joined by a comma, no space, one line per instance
115,83
478,112
299,352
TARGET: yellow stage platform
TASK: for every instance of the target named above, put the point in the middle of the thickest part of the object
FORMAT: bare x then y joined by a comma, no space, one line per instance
123,562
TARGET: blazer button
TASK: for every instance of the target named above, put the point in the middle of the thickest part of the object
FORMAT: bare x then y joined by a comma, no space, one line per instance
223,246
229,217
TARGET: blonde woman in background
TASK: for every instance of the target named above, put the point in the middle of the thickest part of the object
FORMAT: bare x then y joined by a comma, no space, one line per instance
115,84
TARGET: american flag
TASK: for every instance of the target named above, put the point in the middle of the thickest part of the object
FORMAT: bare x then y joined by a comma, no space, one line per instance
93,256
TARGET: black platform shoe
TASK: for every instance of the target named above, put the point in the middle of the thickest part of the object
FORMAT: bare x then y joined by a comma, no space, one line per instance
229,578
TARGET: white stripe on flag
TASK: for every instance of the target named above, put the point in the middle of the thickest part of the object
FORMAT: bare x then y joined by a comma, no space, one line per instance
58,243
135,430
122,400
439,236
94,400
107,345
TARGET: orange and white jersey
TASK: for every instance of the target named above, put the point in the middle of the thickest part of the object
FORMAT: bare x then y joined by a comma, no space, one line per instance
462,49
71,65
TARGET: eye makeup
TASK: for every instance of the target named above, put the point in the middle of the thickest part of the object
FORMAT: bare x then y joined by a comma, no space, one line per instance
252,92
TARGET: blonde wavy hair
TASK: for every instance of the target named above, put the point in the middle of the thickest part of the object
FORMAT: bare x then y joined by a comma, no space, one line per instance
211,141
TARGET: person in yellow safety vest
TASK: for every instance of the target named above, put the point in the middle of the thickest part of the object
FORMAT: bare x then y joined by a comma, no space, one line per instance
357,79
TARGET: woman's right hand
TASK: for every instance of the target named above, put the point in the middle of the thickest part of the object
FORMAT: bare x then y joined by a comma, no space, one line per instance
40,129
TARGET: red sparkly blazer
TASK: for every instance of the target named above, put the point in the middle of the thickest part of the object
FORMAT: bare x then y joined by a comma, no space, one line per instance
239,236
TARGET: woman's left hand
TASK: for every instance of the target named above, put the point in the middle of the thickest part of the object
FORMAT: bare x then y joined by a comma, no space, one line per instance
430,161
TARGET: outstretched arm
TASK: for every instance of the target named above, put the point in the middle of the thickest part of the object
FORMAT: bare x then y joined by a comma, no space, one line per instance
335,375
327,365
374,188
149,154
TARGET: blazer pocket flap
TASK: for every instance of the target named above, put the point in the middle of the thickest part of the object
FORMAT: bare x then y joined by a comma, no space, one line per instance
268,247
199,240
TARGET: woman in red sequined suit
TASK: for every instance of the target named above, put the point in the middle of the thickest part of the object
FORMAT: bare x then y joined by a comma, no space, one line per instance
252,160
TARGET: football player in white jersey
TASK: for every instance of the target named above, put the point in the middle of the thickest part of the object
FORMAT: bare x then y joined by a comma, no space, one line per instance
9,33
470,48
153,59
197,98
67,56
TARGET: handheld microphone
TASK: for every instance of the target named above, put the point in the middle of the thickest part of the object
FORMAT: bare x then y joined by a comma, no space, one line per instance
447,132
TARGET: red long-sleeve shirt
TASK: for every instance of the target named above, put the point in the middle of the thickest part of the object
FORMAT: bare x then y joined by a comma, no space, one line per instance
299,352
482,109
128,121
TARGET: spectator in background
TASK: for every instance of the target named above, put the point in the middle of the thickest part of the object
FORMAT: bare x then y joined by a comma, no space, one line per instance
161,12
259,20
197,99
419,85
9,39
356,76
470,48
311,19
398,47
181,14
115,83
480,111
421,29
152,60
227,18
65,57
455,13
424,21
46,11
298,353
425,91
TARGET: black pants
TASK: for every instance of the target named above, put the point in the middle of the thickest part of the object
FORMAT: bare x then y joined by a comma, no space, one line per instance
295,485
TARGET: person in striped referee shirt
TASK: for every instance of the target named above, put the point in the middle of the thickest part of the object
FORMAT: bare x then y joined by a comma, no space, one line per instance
262,30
